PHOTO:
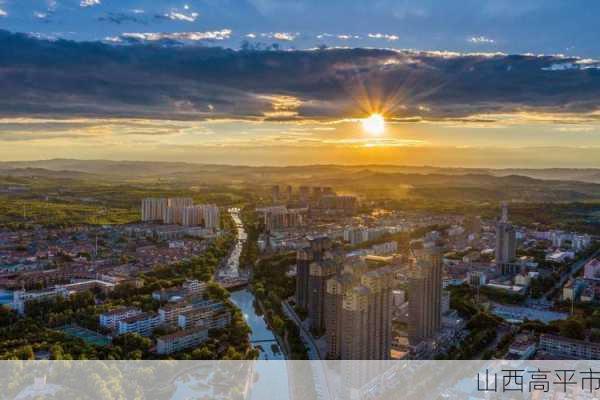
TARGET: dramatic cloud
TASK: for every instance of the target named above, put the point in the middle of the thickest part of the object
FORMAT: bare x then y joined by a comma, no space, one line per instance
510,26
284,36
481,40
176,36
180,16
64,78
340,37
89,3
29,129
581,64
383,36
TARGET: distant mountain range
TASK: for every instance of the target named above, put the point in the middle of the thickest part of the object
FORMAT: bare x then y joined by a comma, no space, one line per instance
559,184
156,168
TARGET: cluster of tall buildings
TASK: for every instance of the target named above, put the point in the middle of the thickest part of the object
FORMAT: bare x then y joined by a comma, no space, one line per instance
180,211
346,300
306,194
350,298
279,193
310,290
281,217
336,204
318,199
358,312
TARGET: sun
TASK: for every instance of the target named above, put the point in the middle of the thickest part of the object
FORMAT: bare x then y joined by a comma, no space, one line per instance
374,124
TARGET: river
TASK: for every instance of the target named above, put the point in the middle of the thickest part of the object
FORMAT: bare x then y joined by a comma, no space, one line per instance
262,336
271,376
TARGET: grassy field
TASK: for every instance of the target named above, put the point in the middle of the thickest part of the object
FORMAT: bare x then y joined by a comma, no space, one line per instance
18,212
62,202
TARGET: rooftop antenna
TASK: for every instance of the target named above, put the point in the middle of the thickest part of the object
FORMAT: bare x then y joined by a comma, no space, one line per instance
504,212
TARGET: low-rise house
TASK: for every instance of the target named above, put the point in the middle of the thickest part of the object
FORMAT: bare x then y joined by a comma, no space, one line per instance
523,347
522,279
560,256
587,295
592,270
573,289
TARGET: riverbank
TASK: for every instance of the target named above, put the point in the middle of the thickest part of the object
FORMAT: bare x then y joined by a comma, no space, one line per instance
272,286
261,335
270,345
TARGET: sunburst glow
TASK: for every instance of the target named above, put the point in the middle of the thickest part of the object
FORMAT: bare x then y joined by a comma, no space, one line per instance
374,124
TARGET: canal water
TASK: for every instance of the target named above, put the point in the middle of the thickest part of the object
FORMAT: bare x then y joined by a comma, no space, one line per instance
261,337
270,373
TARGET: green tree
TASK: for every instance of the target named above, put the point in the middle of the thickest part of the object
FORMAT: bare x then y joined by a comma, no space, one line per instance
57,352
25,353
572,328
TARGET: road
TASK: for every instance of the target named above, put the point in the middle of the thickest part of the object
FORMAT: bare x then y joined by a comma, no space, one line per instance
575,268
313,349
318,367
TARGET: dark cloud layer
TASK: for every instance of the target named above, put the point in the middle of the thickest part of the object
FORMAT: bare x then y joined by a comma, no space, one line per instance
63,78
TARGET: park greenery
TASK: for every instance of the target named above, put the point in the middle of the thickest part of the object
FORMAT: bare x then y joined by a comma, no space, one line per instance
272,285
482,326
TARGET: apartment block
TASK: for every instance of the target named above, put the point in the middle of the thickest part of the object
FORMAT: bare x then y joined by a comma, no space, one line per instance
358,313
425,289
111,319
180,340
193,216
169,314
211,216
318,248
563,347
154,209
142,324
208,318
320,272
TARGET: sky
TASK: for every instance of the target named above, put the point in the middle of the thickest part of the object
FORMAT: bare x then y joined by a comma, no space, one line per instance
489,83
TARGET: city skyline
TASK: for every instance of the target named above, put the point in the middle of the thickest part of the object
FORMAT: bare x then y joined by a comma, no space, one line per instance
338,199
